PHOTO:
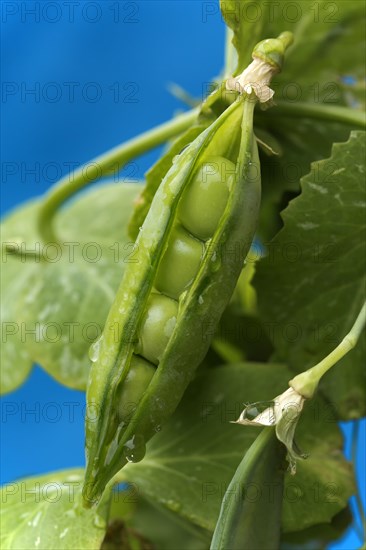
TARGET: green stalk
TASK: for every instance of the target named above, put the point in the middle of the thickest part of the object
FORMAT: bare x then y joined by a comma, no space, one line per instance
307,382
109,163
333,113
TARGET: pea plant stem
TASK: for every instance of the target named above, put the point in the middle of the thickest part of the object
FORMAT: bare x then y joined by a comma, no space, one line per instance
307,382
332,113
109,163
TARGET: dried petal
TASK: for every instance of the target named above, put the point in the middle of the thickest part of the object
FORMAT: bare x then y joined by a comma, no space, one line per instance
283,412
255,78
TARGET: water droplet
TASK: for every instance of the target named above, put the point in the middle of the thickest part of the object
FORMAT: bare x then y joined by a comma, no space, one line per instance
200,300
135,448
64,533
252,411
99,521
216,261
71,513
36,519
175,159
174,505
94,349
182,298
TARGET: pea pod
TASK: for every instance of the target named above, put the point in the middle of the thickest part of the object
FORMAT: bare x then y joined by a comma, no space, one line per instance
190,251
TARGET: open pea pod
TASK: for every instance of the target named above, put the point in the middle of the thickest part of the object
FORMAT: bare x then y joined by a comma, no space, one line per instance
188,256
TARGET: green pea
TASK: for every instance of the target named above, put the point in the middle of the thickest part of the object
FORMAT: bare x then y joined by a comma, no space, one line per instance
204,201
134,386
157,325
180,263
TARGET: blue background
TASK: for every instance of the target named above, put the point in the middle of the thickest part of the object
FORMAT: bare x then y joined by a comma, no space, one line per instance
119,57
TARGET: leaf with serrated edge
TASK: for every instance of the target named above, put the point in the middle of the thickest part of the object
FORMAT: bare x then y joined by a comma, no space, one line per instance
190,463
45,513
302,143
311,285
315,70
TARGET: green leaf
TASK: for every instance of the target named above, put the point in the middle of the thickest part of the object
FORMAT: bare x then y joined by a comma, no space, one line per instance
243,333
318,63
161,527
155,175
120,536
45,513
190,463
325,34
16,362
65,301
253,523
131,513
242,17
302,142
323,482
311,285
320,535
317,69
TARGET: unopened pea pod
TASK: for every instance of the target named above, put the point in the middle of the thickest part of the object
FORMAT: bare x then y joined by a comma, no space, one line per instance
164,314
